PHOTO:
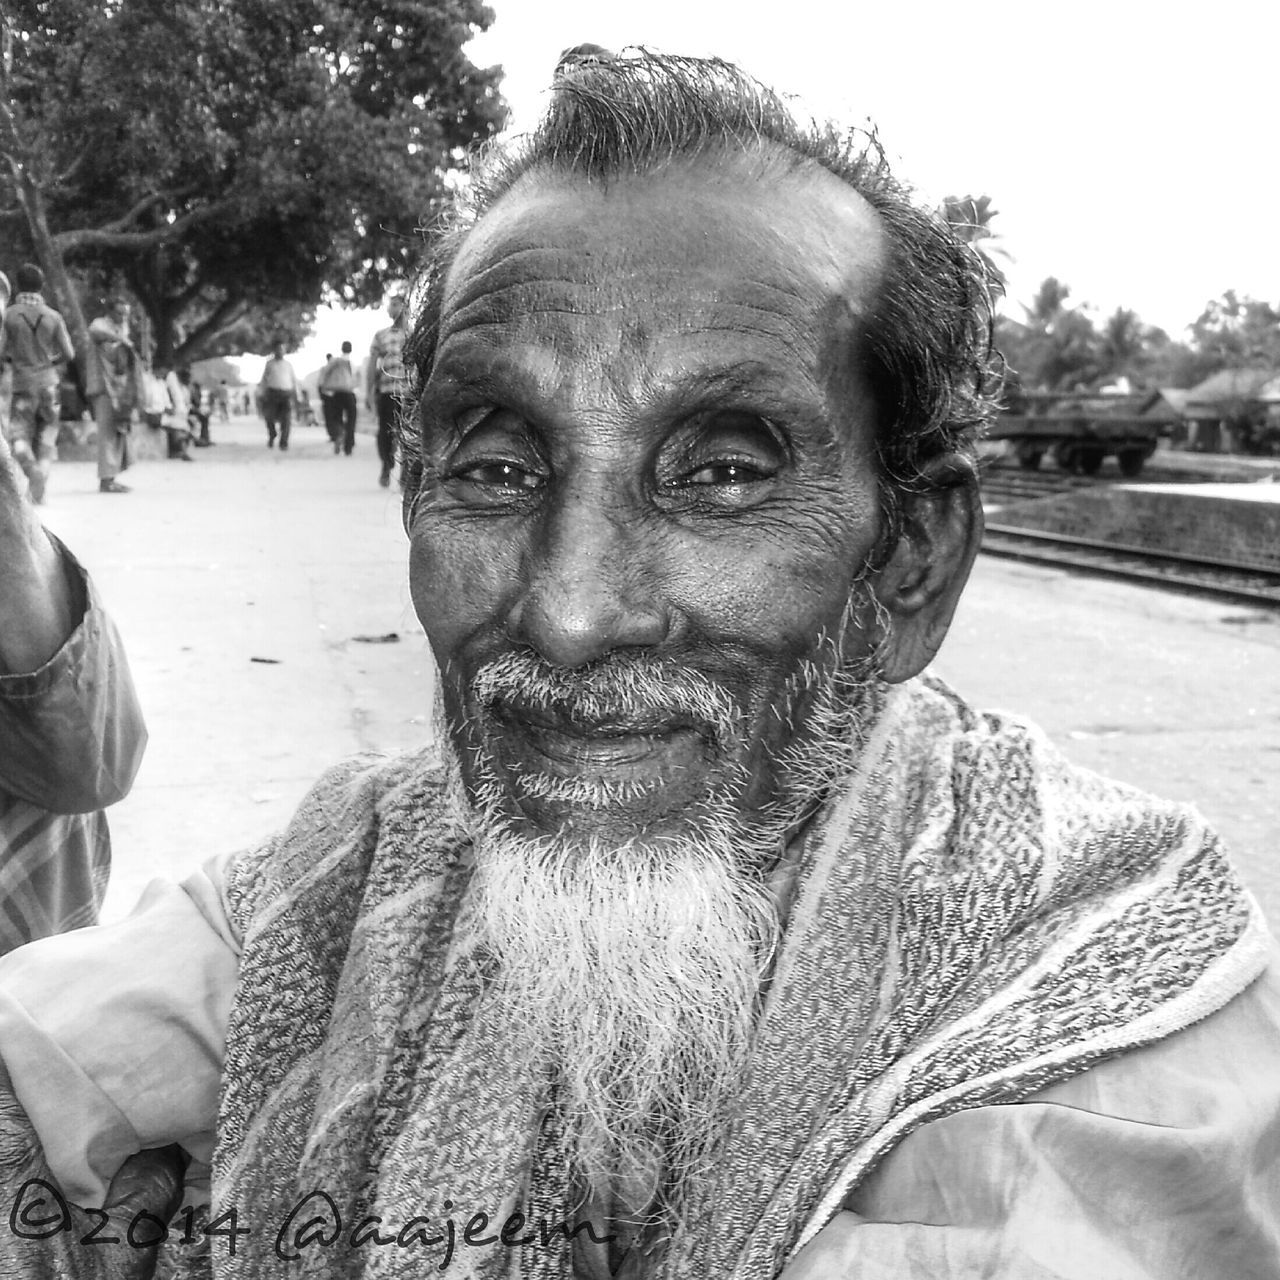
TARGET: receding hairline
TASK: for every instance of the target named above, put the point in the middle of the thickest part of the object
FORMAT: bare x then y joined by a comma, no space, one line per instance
765,162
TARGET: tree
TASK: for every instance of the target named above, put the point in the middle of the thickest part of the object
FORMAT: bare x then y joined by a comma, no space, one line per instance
230,159
1058,348
970,218
1237,333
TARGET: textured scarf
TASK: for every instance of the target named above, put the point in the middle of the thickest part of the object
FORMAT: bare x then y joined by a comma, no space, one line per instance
975,920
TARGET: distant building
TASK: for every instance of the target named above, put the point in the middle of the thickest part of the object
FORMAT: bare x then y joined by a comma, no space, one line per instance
1232,410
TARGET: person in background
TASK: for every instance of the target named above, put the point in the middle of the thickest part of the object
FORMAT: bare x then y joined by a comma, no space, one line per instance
326,408
278,389
156,414
34,342
116,391
337,389
386,384
200,410
180,420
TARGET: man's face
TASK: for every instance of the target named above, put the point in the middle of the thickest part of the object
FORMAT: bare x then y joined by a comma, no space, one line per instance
278,351
395,308
649,464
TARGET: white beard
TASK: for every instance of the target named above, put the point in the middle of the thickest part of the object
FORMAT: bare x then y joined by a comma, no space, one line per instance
635,971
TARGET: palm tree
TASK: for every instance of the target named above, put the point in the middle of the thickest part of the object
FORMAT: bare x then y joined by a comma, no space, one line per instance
970,218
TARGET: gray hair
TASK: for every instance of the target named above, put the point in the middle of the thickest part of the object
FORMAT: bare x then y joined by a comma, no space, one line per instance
927,344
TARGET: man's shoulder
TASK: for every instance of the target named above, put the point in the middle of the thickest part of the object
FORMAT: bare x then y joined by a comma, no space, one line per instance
1163,1154
1230,1056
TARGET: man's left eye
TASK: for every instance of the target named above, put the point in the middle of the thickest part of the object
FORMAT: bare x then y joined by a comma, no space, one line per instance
733,474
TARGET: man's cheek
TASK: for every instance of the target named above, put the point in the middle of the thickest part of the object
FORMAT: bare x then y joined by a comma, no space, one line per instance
461,584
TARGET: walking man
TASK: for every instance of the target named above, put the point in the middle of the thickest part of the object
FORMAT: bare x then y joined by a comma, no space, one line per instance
337,390
115,390
279,386
34,341
386,384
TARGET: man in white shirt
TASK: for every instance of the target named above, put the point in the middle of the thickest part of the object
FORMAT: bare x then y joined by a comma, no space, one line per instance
278,393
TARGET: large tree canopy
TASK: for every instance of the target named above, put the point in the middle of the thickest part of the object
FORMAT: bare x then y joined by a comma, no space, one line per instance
228,158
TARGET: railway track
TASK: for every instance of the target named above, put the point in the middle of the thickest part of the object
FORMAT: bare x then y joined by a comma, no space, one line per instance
1242,584
1003,485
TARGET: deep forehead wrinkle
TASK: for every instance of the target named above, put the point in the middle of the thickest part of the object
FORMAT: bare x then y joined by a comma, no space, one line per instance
551,264
487,323
504,291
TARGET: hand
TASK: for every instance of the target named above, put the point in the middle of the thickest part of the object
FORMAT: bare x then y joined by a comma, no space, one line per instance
47,1241
145,1192
9,471
36,606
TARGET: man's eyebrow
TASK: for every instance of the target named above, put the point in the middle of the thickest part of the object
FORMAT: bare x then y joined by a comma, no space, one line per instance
749,385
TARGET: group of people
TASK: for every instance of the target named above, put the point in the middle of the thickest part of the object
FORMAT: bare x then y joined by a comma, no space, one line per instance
37,353
715,936
280,392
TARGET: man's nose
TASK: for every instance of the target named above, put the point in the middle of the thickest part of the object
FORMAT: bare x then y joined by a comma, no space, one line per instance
589,586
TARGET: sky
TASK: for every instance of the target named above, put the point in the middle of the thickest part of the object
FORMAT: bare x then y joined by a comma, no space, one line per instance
1132,149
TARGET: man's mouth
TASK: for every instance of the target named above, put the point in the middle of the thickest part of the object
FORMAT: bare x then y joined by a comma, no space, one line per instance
618,762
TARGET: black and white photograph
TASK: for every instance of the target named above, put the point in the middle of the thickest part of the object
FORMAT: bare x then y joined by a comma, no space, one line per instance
639,642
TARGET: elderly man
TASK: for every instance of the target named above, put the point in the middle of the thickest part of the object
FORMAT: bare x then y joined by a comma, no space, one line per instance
720,943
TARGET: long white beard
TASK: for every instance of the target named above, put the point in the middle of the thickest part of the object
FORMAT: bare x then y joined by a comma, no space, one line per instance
635,971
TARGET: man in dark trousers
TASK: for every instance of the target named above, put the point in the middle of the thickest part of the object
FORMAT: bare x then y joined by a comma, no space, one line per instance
386,384
35,343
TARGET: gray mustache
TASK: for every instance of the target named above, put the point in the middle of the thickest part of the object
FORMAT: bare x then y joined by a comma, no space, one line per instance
620,693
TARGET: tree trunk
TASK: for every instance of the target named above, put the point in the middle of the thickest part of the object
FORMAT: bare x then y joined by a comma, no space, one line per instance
54,267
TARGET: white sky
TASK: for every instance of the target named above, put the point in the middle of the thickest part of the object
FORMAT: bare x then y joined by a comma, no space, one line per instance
1132,148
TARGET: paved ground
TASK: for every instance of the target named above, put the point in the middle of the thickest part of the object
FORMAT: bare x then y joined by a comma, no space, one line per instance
255,592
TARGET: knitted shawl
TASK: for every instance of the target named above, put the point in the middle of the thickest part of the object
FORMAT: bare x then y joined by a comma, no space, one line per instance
975,920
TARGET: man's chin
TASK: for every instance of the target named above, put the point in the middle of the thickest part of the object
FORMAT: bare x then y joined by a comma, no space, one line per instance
638,821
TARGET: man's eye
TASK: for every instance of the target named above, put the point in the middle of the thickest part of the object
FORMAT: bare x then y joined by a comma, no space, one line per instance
724,473
501,475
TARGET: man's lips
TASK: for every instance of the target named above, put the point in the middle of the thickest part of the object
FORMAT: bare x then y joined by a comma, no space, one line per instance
645,755
603,749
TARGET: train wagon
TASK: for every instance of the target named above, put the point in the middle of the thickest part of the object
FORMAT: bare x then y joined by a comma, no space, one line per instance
1078,432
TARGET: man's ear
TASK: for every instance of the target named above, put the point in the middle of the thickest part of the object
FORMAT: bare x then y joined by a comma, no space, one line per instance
920,585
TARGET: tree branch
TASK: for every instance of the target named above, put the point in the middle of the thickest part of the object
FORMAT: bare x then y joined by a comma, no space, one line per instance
86,238
223,316
156,197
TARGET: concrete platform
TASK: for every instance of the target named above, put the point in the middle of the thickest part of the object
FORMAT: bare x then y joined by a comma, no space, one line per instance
1237,522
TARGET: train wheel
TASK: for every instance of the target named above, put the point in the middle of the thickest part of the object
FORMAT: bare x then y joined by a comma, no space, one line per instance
1091,459
1131,461
1066,455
